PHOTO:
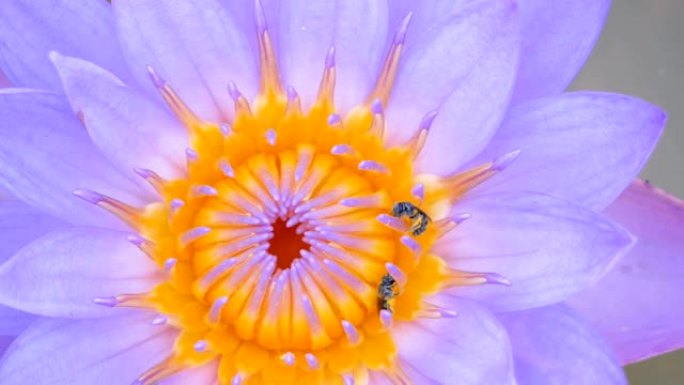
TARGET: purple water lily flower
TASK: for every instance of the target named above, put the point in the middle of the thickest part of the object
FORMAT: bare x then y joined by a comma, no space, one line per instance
325,192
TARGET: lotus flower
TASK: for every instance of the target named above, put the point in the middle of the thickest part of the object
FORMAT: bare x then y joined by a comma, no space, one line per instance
328,192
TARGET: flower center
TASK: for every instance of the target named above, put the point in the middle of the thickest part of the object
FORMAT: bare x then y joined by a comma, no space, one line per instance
287,245
296,237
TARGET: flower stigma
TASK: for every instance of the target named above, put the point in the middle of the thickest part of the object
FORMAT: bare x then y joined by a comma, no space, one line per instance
277,246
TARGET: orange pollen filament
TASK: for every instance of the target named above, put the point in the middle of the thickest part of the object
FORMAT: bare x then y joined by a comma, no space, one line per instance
274,247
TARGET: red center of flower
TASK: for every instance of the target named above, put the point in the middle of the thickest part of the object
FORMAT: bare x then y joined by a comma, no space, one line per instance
286,244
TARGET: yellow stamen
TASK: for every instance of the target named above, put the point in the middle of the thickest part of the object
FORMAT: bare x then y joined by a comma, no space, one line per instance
274,244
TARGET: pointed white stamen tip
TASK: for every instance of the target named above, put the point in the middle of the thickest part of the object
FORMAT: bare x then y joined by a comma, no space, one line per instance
418,191
312,361
156,79
292,221
401,34
497,279
386,318
348,379
292,93
505,160
341,149
371,165
54,55
143,172
259,16
135,239
226,129
106,301
233,90
226,168
396,273
190,154
200,346
351,332
176,204
427,120
204,190
160,320
435,311
170,263
216,307
411,244
392,222
237,380
376,107
349,202
334,120
89,195
271,136
448,313
195,233
288,358
330,58
460,218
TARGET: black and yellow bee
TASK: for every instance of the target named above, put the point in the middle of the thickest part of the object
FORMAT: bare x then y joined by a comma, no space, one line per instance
387,291
419,220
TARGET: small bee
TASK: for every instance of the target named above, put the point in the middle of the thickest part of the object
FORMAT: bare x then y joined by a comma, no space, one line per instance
419,220
387,290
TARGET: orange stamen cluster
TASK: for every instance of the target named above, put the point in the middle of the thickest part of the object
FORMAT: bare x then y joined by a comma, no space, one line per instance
274,244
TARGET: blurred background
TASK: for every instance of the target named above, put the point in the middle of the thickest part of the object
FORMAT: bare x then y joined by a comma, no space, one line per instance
641,52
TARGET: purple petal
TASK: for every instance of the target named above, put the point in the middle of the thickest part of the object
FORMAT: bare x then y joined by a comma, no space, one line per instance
20,224
45,154
31,29
552,346
86,352
4,82
586,147
557,37
60,274
13,322
547,248
5,342
471,349
357,29
637,307
131,130
459,60
194,45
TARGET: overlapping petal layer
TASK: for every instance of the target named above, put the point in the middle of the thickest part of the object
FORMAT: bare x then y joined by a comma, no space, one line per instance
32,28
637,306
46,154
471,349
95,351
209,51
547,248
557,37
583,146
19,225
60,274
131,130
553,346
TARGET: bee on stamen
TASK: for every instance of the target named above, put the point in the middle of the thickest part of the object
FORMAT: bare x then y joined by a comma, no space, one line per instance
387,291
419,220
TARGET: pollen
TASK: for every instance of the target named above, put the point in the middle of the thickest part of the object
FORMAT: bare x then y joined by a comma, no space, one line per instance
275,246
